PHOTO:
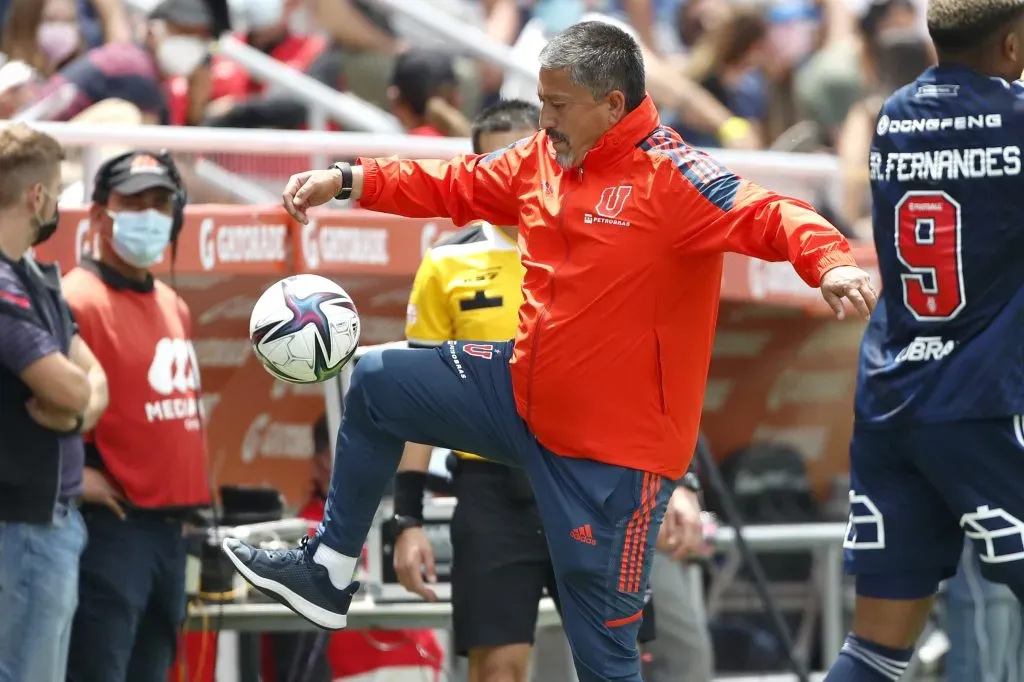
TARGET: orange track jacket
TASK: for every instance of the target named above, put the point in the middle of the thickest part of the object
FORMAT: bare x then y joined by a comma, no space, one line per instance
623,264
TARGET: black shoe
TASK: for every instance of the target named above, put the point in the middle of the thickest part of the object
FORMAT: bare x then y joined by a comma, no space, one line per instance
291,578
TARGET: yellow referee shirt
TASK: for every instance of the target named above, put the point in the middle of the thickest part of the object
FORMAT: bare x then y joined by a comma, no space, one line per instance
468,287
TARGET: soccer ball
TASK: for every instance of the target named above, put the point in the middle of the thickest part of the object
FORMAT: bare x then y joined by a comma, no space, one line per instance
304,329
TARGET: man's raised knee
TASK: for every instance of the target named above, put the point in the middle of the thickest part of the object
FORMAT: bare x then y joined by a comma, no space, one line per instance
369,373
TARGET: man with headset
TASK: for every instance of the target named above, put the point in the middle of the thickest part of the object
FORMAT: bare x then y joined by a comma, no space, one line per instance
145,472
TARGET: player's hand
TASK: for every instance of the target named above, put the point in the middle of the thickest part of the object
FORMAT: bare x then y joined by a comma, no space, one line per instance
852,283
96,489
309,189
682,532
414,557
52,418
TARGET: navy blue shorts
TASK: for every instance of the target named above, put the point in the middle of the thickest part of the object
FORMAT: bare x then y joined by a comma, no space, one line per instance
916,491
601,520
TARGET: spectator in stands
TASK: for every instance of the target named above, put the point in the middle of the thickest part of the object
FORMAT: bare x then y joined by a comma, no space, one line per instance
653,21
20,38
174,43
836,76
678,96
727,63
96,22
371,39
368,45
103,21
237,100
424,95
899,56
694,18
146,456
51,387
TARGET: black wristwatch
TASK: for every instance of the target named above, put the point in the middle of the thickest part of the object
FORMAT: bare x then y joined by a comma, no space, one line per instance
403,523
690,481
346,180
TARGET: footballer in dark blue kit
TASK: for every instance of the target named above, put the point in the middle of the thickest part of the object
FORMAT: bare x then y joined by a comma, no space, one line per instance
938,444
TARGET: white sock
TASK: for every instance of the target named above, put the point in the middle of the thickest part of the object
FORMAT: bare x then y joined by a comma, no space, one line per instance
340,568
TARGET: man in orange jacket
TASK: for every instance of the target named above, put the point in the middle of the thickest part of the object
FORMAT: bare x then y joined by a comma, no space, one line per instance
622,230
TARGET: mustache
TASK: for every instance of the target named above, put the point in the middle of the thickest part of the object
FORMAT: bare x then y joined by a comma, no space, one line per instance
556,136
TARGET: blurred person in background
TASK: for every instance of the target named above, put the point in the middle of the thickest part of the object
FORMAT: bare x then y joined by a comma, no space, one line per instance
985,625
727,62
682,649
654,22
840,73
51,388
48,22
234,99
146,456
694,19
371,38
174,41
22,30
678,96
40,37
424,95
899,56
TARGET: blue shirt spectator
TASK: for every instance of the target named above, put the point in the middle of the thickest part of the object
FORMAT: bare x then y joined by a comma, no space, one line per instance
25,341
112,71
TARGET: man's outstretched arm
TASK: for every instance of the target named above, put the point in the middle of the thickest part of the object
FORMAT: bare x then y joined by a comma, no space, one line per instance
733,214
466,188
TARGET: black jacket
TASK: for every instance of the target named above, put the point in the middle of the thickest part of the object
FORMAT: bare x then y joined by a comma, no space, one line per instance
30,456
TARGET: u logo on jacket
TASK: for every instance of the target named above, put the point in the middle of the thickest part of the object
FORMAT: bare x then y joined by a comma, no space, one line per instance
613,200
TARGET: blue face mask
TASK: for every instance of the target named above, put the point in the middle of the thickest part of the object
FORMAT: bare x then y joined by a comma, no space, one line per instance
140,237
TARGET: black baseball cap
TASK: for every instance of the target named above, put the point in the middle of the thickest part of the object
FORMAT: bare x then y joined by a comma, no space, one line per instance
139,172
419,73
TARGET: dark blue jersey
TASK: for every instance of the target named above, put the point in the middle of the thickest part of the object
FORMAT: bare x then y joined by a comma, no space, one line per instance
947,340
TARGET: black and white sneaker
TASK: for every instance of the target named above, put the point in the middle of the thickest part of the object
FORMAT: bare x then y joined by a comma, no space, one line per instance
291,578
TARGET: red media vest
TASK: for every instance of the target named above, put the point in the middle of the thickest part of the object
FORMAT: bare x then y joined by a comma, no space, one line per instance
151,437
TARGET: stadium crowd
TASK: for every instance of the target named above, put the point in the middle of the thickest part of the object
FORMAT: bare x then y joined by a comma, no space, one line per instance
804,76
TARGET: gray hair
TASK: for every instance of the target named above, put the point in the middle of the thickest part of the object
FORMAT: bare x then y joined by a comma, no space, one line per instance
601,58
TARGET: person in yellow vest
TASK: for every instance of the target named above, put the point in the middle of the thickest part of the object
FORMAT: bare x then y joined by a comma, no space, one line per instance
469,287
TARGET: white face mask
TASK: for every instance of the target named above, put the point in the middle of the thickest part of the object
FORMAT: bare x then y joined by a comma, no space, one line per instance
180,55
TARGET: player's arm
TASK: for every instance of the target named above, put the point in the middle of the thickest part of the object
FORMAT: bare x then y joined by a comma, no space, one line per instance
466,188
83,358
30,351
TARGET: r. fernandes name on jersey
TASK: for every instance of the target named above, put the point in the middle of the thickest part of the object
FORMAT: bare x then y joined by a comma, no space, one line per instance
945,164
